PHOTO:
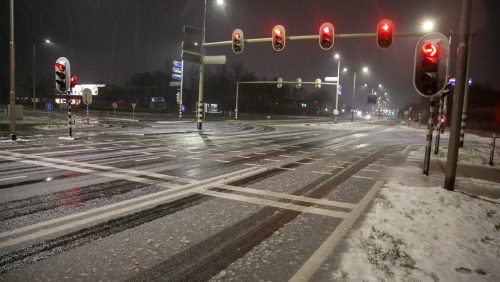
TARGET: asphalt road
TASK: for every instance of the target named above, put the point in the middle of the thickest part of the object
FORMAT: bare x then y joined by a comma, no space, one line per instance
158,200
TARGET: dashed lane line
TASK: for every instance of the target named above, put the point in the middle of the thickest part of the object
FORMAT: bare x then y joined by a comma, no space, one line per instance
362,177
322,172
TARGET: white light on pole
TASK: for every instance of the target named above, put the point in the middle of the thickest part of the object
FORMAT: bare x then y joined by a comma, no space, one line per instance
48,41
345,69
427,25
220,2
380,86
337,56
365,69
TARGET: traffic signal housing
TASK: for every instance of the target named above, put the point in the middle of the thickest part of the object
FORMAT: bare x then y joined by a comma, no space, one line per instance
326,34
431,64
73,81
238,41
62,75
385,30
278,37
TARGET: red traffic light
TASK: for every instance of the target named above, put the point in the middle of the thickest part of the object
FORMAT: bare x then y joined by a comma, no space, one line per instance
73,80
430,49
60,67
326,35
238,41
278,38
385,30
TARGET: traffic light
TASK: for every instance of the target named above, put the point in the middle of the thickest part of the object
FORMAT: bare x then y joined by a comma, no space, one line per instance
62,74
326,33
431,64
317,83
280,82
299,83
385,29
73,80
278,38
238,41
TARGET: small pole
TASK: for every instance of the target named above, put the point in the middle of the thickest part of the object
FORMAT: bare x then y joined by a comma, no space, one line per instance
428,147
68,102
439,124
133,113
466,97
181,89
492,153
88,121
237,97
353,94
419,119
12,94
48,119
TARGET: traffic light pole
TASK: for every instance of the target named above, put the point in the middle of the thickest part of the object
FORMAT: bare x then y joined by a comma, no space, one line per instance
428,146
466,97
353,94
439,124
200,109
12,94
181,88
68,102
458,99
337,93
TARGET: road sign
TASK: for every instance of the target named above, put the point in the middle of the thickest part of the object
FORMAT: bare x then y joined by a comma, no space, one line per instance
133,105
176,70
114,105
177,64
331,79
299,83
340,89
176,76
406,113
87,96
214,60
175,84
192,31
335,112
49,106
190,46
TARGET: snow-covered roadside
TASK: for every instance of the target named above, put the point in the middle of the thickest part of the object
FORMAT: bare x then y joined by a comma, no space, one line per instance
423,234
466,155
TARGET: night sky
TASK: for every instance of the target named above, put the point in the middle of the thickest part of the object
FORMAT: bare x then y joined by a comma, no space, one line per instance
109,40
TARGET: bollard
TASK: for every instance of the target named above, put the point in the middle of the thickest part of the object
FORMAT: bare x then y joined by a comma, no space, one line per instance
492,153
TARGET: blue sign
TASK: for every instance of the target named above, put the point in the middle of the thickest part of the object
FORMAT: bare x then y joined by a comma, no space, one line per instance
183,108
49,106
340,89
452,81
177,64
176,70
176,76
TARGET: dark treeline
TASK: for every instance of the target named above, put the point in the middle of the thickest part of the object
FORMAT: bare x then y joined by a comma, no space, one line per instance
483,108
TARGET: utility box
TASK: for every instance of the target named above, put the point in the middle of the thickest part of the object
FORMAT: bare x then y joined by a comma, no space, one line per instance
18,112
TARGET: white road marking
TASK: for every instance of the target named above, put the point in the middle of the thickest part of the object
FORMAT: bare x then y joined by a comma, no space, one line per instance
147,159
257,153
285,156
217,154
307,270
249,164
271,160
275,204
322,172
135,204
243,157
222,161
334,166
323,202
167,155
362,177
12,178
236,151
302,163
194,158
370,170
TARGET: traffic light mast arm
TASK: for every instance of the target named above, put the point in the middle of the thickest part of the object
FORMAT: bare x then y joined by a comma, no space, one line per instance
316,37
285,82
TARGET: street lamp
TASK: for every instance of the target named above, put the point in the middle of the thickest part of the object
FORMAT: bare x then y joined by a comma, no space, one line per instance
345,69
427,25
220,2
380,86
364,70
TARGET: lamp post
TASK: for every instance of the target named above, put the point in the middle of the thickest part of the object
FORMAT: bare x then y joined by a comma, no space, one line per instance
365,70
12,94
337,57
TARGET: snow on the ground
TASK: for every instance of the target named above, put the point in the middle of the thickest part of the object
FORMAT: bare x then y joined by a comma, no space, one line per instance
467,154
423,234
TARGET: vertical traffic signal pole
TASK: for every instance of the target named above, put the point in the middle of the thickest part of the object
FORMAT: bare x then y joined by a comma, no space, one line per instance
68,102
458,99
181,89
202,73
12,94
337,93
466,97
428,146
439,124
353,93
237,97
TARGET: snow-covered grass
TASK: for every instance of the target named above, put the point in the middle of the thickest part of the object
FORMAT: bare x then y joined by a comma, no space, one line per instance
423,234
469,155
